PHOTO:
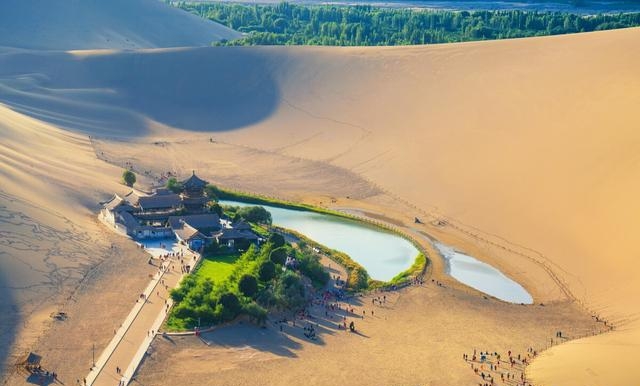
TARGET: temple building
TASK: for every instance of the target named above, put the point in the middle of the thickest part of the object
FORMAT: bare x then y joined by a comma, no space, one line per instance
238,232
165,214
193,197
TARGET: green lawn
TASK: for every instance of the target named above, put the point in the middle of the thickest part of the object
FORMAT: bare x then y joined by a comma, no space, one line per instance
217,268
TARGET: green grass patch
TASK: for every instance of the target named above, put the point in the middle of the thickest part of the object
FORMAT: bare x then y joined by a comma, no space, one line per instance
217,268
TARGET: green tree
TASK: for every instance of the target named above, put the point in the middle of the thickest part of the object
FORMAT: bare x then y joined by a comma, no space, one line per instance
290,291
248,285
230,306
255,313
255,214
309,265
266,298
189,282
128,177
173,185
267,271
365,25
279,255
183,311
216,208
277,240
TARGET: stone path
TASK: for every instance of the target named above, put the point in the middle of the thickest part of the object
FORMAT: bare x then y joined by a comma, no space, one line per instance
132,339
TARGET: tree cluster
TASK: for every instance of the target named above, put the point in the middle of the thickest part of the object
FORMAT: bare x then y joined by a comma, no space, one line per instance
254,214
257,283
292,24
174,185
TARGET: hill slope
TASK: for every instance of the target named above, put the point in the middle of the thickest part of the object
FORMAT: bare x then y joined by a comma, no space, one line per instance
97,24
532,140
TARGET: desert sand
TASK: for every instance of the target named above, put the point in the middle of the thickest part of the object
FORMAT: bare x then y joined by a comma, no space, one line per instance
55,254
416,338
524,150
96,24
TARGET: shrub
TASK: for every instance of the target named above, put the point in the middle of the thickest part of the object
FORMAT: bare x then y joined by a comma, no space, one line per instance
358,278
415,269
255,313
182,311
200,292
128,177
277,240
248,285
225,314
255,214
177,294
206,315
267,298
231,304
279,256
267,271
173,185
290,291
309,265
216,208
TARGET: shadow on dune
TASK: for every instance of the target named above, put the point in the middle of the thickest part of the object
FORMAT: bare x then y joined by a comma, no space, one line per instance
283,338
9,320
41,380
119,94
241,336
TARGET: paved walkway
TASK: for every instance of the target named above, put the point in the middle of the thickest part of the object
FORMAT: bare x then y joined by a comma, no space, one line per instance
132,339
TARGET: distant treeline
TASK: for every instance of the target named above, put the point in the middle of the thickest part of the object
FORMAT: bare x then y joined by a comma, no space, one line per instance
289,24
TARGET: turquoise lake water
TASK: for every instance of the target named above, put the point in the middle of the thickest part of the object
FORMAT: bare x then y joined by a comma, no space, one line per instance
385,254
381,253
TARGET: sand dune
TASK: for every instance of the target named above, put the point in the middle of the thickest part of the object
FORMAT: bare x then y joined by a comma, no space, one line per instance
96,24
50,239
126,93
531,144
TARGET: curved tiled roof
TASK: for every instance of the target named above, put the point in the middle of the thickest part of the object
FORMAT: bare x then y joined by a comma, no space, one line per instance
159,201
194,182
129,221
241,225
132,197
113,203
198,221
187,233
231,234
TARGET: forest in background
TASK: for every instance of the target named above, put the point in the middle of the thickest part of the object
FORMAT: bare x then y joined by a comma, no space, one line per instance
292,24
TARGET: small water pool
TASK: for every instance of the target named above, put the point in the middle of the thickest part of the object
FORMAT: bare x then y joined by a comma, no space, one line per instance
482,276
